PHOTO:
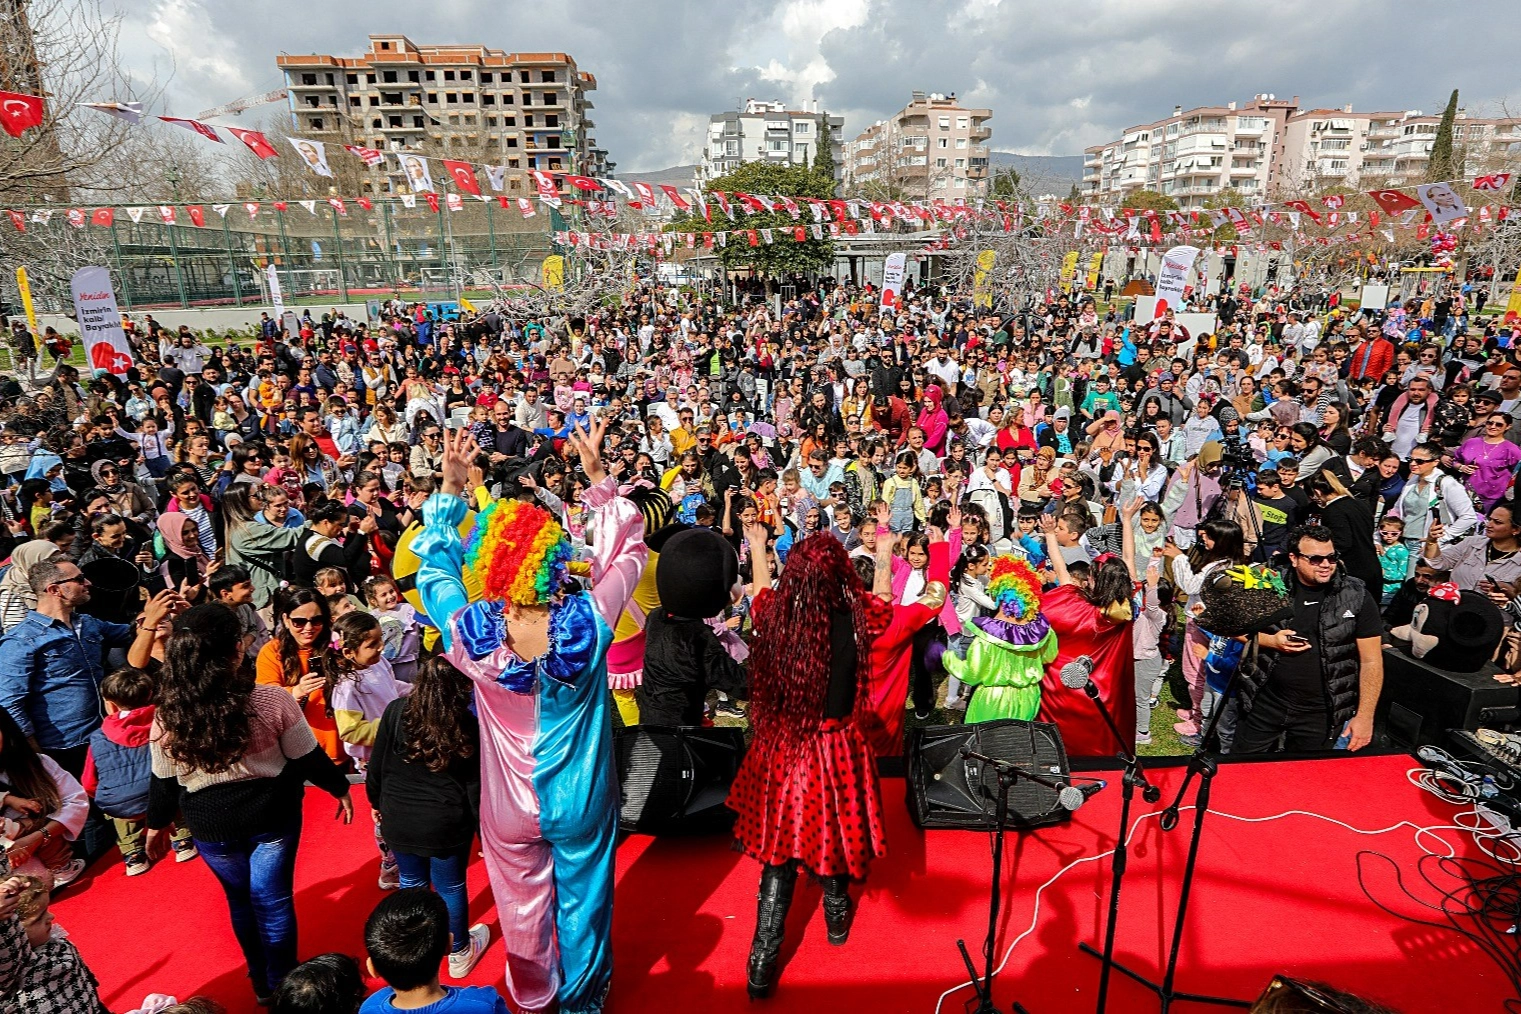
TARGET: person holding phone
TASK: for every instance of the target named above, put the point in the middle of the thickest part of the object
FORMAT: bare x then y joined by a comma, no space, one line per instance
1318,677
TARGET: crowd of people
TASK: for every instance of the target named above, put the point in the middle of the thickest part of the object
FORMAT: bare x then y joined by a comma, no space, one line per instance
237,570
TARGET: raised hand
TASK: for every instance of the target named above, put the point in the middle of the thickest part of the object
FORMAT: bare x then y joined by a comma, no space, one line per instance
460,450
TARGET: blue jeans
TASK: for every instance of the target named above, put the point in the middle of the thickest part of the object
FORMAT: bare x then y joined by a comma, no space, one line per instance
447,876
256,875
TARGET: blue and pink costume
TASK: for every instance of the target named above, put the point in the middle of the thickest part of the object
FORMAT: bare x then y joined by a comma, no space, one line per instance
549,791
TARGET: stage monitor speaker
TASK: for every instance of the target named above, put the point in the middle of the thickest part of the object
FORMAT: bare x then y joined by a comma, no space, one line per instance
1420,702
946,790
676,780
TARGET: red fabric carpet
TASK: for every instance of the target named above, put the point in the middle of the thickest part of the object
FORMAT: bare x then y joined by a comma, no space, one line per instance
1281,895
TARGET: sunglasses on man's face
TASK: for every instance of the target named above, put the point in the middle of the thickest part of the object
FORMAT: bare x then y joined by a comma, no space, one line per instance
1318,560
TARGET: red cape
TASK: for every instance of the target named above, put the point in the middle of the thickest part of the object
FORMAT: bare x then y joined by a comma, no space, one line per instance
1082,630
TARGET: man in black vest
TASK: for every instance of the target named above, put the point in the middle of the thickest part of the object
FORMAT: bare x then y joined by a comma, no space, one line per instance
1318,678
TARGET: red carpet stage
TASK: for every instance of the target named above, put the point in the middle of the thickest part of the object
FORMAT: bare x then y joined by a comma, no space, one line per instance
1276,895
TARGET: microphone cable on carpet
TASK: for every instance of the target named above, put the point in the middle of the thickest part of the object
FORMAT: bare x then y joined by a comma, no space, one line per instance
1512,966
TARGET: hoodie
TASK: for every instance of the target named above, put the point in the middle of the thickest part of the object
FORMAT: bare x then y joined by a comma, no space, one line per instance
118,769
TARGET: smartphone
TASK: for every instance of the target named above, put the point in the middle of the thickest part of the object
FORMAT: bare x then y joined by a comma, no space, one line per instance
1436,515
1296,638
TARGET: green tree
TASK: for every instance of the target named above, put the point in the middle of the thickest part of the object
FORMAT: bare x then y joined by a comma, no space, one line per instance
823,156
784,255
1443,164
1230,197
1005,185
1151,200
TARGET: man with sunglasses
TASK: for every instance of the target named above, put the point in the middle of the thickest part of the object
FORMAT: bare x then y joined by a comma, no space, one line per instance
1319,676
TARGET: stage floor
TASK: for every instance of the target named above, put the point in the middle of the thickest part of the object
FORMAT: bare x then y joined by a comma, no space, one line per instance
1275,895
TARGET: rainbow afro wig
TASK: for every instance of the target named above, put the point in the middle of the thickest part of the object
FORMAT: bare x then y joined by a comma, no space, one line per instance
518,552
1015,587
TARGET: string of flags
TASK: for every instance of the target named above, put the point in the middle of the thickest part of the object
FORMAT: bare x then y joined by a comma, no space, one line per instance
600,196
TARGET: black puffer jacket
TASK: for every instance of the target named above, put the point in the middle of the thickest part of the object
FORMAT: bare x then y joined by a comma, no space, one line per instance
1338,650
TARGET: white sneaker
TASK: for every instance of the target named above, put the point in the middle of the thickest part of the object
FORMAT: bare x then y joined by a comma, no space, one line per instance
460,962
390,878
69,873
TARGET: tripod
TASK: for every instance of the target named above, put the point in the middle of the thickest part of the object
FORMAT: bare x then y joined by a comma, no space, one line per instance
1135,776
1201,764
1008,774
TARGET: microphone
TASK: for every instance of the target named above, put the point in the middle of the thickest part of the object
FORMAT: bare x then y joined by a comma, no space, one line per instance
1073,796
1075,674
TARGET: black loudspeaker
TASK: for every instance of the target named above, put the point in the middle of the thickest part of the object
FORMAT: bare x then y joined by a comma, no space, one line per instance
675,780
946,790
1420,702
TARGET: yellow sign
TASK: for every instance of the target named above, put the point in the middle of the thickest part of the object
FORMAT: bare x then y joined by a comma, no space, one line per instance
1069,269
553,272
1512,305
466,305
25,289
1095,264
982,279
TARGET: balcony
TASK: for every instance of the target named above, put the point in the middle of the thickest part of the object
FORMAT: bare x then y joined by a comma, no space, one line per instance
1244,170
981,132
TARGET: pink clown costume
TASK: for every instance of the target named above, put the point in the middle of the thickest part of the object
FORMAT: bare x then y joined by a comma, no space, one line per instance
549,792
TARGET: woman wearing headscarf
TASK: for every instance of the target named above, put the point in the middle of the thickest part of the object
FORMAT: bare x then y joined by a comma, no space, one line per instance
16,595
184,559
128,499
933,420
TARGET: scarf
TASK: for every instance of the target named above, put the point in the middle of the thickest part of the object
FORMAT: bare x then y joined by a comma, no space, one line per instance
100,484
18,580
1403,402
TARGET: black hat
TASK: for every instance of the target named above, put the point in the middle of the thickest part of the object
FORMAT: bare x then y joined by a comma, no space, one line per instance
1459,631
1245,600
696,569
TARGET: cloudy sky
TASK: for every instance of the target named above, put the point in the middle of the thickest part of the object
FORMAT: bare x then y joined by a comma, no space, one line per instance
1058,77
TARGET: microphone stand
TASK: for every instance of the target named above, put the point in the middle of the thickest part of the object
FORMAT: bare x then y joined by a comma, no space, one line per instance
1202,764
1008,774
1135,776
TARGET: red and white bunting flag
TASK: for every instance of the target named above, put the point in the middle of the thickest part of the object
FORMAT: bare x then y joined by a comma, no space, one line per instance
674,196
197,215
432,198
463,177
136,214
18,219
256,142
582,182
42,216
371,157
77,218
646,196
409,200
313,154
723,204
221,209
18,112
1334,201
792,208
1494,181
336,203
204,129
526,207
310,206
132,112
616,187
496,176
252,209
799,233
1303,207
455,202
105,217
1392,201
545,185
166,212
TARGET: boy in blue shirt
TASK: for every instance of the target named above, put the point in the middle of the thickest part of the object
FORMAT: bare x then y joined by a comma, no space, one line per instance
407,937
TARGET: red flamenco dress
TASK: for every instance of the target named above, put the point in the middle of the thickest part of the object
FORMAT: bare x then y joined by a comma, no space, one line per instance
1082,628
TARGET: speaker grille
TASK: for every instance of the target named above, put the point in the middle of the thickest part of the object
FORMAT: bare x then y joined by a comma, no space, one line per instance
946,790
676,780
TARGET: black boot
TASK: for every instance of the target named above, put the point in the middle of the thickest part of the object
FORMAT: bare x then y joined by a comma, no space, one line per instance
776,887
837,908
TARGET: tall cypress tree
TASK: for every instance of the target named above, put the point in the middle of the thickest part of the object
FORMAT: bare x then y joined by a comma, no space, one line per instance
1443,165
823,155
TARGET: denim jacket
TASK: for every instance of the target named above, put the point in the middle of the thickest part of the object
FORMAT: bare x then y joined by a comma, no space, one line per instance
50,675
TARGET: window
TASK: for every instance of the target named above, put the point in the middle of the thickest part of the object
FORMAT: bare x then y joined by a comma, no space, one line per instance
962,122
448,75
316,123
939,163
308,79
552,120
374,100
369,79
550,98
776,145
802,127
311,100
488,100
394,121
961,163
508,98
512,142
375,123
945,123
464,75
731,147
528,120
528,98
352,79
332,100
509,121
522,77
417,121
433,97
470,119
961,142
552,141
329,78
800,148
943,142
385,45
468,98
353,100
413,76
388,76
547,76
451,97
491,121
486,77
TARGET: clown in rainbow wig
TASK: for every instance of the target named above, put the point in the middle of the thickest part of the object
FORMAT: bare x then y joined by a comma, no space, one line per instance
536,650
1006,656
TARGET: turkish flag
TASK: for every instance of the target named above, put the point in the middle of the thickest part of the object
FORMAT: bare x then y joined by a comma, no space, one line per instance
464,177
279,206
1496,181
525,206
336,203
799,233
1392,201
675,196
257,142
1303,207
104,217
252,209
366,204
583,182
432,200
18,219
106,357
18,112
197,216
1334,201
204,129
166,212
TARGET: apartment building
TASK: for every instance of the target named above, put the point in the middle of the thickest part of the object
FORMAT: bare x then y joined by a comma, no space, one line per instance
1269,146
933,148
1194,153
769,132
522,110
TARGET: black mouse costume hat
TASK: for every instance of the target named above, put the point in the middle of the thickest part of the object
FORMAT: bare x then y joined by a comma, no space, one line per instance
1455,630
1245,600
697,569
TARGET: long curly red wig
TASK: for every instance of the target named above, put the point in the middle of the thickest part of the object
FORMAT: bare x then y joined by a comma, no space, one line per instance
790,664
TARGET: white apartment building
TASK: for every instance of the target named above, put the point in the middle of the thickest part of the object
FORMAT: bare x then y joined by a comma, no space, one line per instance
769,132
1330,147
933,148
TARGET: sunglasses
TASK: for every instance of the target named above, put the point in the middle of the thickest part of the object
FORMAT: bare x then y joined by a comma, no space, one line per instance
1320,561
302,622
1423,461
81,579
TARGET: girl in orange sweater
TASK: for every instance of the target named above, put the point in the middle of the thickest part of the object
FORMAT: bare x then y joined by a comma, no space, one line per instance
292,660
